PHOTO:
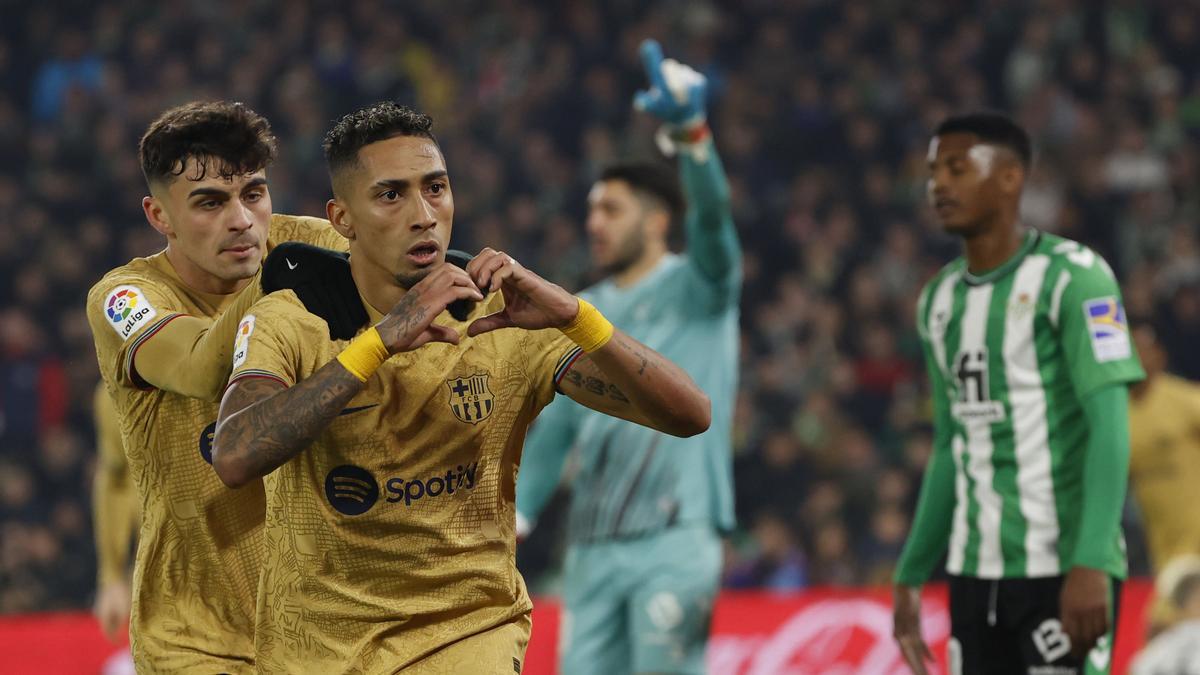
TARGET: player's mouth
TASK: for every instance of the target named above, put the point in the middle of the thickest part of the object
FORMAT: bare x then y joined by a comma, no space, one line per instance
944,206
424,253
241,251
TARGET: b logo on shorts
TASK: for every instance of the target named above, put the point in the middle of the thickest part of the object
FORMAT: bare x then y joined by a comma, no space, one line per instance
1051,642
351,490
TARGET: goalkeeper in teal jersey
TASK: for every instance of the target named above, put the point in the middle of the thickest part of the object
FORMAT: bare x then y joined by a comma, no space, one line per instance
644,558
1029,358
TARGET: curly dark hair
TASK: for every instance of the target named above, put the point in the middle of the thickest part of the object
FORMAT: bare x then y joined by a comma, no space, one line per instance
225,138
372,124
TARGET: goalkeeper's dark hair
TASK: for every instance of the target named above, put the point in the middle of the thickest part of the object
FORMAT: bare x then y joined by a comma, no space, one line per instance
225,138
655,180
378,122
992,127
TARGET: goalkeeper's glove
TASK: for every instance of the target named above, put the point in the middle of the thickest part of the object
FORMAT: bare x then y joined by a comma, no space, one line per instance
321,279
676,96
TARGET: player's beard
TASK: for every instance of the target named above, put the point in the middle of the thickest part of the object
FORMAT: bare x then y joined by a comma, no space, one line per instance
629,250
407,281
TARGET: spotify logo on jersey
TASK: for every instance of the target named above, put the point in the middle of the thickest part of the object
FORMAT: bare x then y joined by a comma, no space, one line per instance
351,490
206,441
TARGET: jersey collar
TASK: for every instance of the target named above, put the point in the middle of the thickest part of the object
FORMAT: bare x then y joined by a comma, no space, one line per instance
1032,237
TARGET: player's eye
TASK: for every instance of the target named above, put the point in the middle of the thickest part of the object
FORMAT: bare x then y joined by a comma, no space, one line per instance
437,188
389,196
254,196
209,204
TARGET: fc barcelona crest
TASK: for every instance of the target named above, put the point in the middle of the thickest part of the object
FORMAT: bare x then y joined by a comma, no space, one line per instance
470,398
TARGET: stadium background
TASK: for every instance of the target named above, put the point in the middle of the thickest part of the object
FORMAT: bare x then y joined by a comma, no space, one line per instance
821,110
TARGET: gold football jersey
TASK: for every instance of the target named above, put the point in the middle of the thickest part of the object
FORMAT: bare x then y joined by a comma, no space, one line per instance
390,541
1164,466
200,544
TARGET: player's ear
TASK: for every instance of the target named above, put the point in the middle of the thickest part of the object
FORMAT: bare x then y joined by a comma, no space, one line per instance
1012,177
658,223
156,215
338,218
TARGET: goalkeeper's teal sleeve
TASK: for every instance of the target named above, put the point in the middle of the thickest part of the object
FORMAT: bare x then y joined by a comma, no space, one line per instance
930,534
1105,475
545,453
712,241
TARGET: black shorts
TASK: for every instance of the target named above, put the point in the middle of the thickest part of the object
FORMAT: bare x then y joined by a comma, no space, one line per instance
1012,626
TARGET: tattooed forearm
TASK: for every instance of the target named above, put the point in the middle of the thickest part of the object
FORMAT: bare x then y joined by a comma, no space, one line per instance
595,385
402,319
627,379
262,425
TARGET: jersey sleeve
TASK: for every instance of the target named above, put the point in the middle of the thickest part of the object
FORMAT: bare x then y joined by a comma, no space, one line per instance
114,505
930,534
546,448
547,355
1092,326
124,311
714,253
270,340
307,230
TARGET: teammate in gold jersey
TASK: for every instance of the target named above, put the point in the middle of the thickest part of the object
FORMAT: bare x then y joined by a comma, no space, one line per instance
391,459
1164,459
164,327
114,517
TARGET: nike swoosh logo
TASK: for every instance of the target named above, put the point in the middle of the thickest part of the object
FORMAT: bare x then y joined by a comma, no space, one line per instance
351,411
291,265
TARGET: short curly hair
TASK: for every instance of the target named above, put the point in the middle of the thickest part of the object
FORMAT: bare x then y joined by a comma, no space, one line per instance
225,138
378,122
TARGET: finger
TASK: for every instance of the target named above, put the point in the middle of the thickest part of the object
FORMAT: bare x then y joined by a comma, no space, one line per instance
489,323
491,261
645,100
652,58
912,656
507,270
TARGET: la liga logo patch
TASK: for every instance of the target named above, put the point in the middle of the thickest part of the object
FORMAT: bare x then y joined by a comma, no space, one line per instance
127,308
241,344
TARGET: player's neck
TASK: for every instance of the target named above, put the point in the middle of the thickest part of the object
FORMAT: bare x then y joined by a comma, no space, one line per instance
993,246
637,271
197,279
376,286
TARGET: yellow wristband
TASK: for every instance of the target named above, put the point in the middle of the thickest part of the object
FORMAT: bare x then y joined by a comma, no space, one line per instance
364,354
589,329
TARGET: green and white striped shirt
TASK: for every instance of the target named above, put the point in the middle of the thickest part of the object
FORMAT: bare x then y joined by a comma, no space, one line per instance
1011,354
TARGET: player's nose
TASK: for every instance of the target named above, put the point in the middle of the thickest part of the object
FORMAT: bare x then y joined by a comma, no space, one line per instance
241,219
425,217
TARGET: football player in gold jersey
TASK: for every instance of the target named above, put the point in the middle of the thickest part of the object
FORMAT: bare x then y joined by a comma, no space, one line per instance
1164,458
164,327
114,517
391,458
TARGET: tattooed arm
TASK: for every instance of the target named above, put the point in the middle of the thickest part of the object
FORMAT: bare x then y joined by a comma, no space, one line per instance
627,379
262,424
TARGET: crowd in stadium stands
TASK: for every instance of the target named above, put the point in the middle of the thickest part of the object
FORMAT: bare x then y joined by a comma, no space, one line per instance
821,111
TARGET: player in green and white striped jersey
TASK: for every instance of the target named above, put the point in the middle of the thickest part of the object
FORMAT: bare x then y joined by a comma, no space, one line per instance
1029,358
